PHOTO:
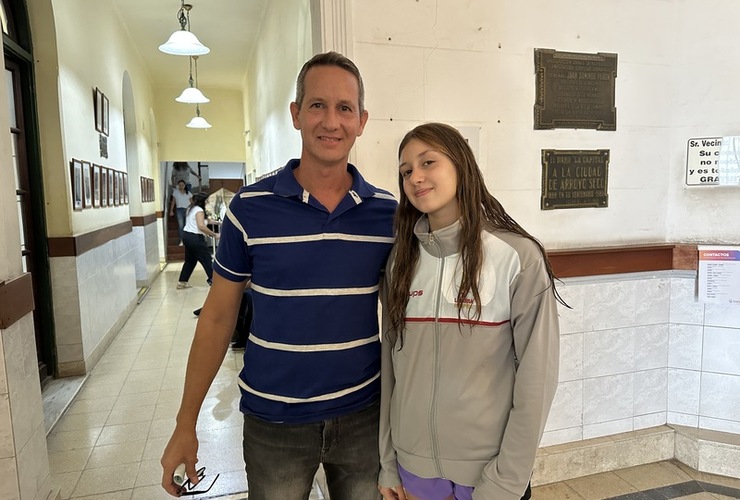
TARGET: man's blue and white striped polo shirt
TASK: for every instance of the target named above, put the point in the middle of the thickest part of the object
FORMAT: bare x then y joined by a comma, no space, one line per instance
313,352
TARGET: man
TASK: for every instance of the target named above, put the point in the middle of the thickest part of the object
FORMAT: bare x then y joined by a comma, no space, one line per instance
180,202
312,242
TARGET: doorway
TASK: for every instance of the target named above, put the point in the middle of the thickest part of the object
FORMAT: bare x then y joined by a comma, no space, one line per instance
28,177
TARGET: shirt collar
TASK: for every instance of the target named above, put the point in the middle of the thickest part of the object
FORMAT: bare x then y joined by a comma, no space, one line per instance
287,185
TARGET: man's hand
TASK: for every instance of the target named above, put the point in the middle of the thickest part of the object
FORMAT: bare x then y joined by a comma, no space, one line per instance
182,449
397,493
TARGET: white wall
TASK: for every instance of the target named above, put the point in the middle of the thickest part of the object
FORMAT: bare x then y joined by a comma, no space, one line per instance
284,45
472,64
639,351
225,170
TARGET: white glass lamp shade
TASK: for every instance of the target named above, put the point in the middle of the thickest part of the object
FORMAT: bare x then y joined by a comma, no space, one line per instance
198,122
184,43
192,95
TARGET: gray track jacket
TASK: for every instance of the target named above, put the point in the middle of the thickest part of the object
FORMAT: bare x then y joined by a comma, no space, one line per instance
470,404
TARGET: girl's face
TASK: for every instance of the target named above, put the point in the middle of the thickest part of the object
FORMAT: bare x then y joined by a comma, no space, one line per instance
430,183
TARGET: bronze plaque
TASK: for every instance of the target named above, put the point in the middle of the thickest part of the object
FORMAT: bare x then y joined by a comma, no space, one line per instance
574,178
575,90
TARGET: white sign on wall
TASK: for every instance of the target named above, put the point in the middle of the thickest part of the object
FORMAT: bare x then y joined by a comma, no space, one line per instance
719,274
713,161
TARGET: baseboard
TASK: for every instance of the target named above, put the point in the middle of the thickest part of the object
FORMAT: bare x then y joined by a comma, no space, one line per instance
592,456
708,451
705,451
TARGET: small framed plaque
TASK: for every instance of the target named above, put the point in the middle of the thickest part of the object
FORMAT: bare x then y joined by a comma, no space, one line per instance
574,178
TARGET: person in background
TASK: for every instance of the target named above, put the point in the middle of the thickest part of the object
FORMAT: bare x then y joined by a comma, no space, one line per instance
470,347
179,206
181,170
194,237
312,242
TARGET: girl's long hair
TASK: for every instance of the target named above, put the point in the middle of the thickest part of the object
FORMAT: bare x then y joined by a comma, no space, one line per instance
479,211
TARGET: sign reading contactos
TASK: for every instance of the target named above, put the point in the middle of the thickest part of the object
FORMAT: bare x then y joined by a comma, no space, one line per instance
719,274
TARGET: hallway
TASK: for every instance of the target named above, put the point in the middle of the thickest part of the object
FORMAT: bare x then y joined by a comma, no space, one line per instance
108,444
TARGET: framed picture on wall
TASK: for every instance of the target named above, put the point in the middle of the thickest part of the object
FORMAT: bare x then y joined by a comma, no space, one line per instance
119,179
115,188
106,114
96,186
103,187
102,111
125,188
98,109
76,183
110,187
86,184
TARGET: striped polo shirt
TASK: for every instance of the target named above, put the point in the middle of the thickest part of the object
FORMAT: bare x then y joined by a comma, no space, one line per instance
313,351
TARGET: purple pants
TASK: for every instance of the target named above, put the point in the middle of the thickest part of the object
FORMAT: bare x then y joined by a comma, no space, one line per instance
433,488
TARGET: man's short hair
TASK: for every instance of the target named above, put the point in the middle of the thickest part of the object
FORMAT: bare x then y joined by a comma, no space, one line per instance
328,59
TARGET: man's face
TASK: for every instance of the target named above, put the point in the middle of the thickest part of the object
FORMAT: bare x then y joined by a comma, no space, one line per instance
329,118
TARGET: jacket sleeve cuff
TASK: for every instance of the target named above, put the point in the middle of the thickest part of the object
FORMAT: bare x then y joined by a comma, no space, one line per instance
388,477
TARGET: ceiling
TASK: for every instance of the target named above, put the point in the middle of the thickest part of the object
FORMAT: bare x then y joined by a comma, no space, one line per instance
228,27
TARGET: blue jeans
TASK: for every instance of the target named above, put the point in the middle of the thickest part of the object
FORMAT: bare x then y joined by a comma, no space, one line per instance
180,214
281,459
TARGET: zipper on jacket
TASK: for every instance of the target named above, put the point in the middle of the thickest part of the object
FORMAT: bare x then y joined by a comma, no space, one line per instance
435,376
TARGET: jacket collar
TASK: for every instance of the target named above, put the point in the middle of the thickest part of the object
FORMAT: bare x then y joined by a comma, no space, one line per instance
440,243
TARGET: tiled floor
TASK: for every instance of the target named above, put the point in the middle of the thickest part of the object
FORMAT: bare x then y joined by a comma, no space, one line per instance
108,443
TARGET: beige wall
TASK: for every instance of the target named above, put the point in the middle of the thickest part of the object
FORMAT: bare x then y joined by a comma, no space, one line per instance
84,64
223,142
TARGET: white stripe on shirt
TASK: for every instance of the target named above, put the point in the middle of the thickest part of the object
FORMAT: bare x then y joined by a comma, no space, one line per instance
246,275
315,292
339,346
230,215
320,237
252,194
322,397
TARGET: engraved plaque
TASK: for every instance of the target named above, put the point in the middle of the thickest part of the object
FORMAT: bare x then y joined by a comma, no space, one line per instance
574,178
575,90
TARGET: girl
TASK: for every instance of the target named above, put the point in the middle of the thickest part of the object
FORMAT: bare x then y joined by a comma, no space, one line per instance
196,249
470,351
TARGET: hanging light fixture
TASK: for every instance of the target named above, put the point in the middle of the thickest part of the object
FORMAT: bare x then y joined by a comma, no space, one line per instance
192,95
198,121
183,42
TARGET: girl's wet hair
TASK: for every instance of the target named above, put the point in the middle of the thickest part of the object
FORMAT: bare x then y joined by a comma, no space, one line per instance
479,211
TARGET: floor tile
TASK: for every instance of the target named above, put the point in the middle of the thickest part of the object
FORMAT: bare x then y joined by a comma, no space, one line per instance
557,491
653,475
106,480
600,486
